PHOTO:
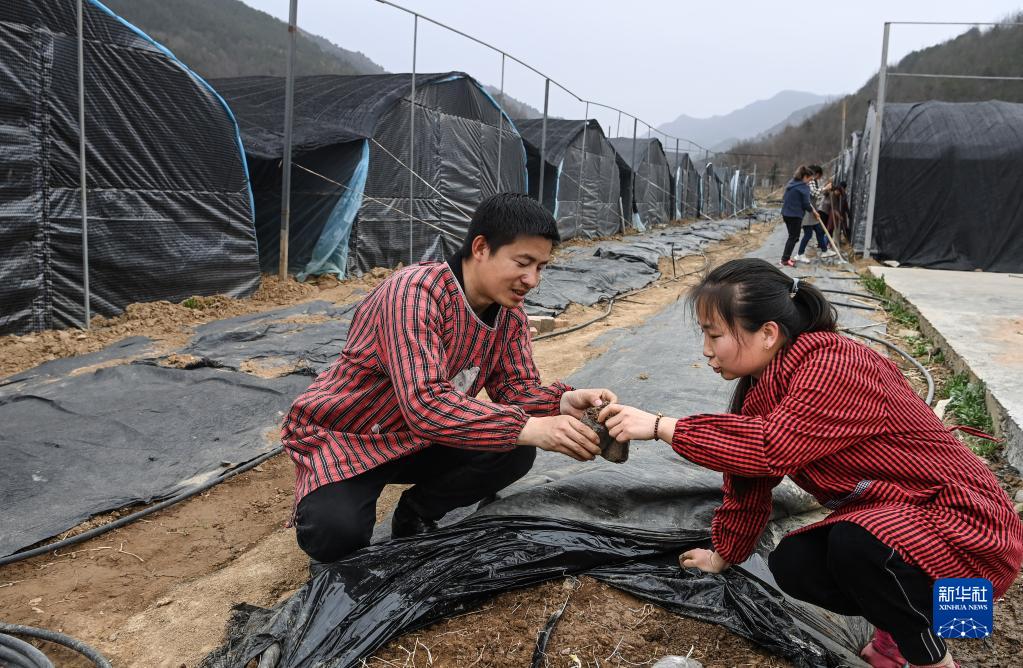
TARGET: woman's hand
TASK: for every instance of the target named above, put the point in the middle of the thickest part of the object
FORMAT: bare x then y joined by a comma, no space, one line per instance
707,561
575,402
626,423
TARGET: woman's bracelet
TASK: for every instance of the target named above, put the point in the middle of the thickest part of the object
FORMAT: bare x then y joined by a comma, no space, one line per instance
657,426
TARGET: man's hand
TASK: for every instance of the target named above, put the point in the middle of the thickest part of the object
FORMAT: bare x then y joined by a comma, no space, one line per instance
626,423
561,433
707,561
575,402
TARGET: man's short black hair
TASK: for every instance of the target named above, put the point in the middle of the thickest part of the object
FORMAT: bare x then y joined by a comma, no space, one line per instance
817,170
504,217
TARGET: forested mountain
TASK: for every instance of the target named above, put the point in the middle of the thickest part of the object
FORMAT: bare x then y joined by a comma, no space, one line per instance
997,51
227,38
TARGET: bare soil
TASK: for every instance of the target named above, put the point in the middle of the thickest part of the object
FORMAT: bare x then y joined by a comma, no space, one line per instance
157,593
601,626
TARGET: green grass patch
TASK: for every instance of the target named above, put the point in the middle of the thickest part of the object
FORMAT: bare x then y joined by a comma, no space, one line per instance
192,302
898,312
968,408
875,285
919,346
895,309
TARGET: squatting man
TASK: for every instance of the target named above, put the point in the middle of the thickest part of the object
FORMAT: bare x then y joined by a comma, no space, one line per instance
400,404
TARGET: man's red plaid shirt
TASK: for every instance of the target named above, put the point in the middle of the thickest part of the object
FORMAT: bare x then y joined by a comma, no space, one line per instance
407,378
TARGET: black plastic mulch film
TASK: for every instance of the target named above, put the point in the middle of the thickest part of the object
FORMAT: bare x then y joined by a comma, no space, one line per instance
358,604
169,206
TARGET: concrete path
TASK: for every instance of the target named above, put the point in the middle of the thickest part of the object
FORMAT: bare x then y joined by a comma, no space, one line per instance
977,319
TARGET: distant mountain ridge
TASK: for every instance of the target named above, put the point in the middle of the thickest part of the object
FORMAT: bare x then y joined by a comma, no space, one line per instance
754,120
795,118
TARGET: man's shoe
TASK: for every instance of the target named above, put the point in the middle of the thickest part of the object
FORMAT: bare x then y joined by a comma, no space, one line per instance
829,253
407,522
801,258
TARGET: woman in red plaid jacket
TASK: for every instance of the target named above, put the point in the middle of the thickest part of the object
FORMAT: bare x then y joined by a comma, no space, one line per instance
911,503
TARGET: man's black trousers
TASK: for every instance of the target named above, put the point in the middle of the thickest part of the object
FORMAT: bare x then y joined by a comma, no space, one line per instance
336,519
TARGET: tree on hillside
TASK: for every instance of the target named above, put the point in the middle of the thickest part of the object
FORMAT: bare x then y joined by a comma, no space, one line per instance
994,52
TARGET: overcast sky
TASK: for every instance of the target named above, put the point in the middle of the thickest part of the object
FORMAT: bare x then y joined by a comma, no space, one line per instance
653,58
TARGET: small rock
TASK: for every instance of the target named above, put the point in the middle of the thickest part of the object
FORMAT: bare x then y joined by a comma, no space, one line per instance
643,376
1019,496
533,331
258,469
164,601
1019,508
113,636
677,662
565,652
37,599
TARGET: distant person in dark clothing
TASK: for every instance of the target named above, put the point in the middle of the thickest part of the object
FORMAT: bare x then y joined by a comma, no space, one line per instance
815,225
795,203
840,209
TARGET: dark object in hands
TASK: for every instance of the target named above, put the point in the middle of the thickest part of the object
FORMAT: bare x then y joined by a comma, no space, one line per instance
610,449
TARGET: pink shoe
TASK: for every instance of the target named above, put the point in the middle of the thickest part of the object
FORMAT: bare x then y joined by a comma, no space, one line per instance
882,652
787,263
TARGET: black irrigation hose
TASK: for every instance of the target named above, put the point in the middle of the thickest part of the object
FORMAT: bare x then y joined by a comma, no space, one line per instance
912,360
127,519
19,654
859,306
24,655
854,294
